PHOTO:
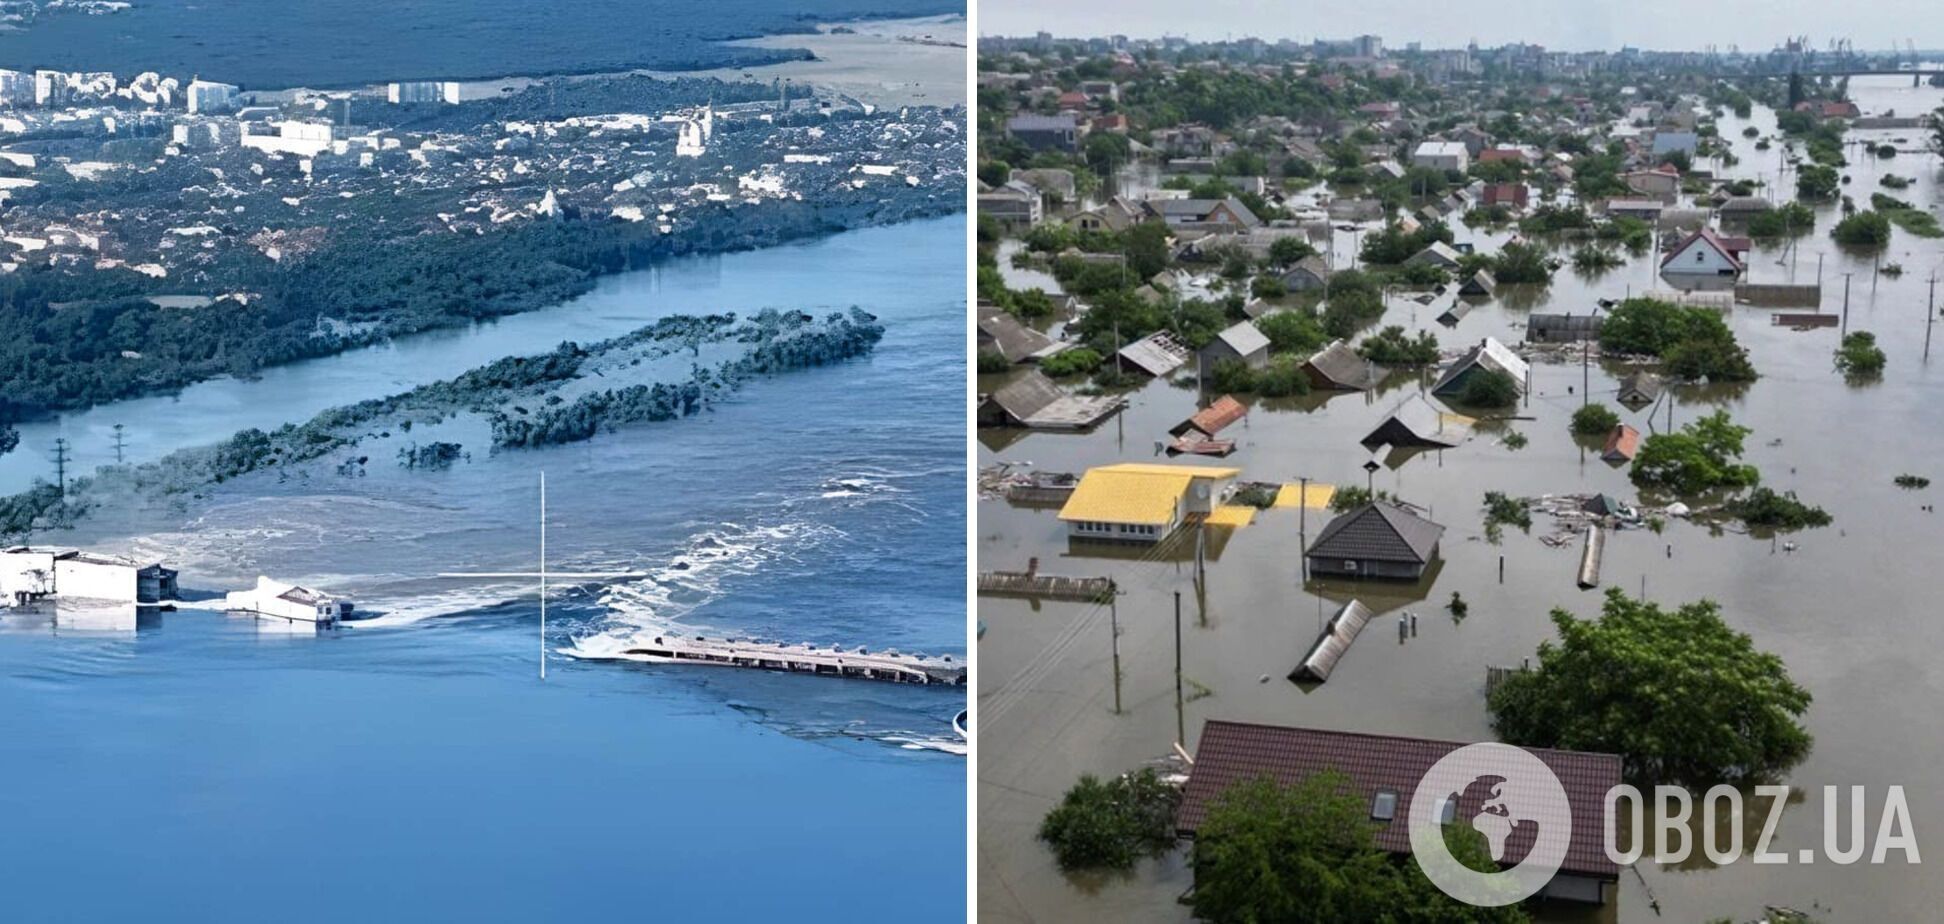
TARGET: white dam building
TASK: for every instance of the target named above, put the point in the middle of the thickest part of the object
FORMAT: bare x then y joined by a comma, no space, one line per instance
29,574
277,600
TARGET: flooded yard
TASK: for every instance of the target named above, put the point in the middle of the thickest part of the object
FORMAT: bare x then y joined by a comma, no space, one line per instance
1849,608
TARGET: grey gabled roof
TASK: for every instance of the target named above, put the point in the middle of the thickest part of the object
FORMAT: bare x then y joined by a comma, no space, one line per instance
1157,354
1492,355
1027,395
1378,532
1013,340
1029,122
1340,364
1244,338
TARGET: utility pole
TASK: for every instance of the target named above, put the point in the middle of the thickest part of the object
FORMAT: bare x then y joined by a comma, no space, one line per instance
60,465
1586,375
1930,314
1846,282
1181,715
120,444
1113,620
1302,526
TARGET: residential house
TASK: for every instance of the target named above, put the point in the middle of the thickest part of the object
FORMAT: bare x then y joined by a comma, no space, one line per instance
277,600
29,573
1001,333
1488,356
1384,772
1053,183
1116,214
1666,142
1034,402
1437,253
1045,133
1621,444
1417,422
1563,328
1338,367
1156,354
1308,275
1442,155
1014,203
1703,253
1241,342
1644,209
1661,181
1205,214
1143,502
1510,195
1639,390
1379,540
1482,284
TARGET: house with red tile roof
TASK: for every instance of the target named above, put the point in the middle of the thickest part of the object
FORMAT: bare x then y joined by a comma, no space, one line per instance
1705,253
1384,772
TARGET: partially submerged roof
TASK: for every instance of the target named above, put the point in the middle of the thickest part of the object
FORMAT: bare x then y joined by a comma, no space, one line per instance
1032,400
1621,444
1027,395
1244,338
1489,354
1704,237
1480,283
1214,418
1337,635
1559,328
1013,340
1135,492
1237,752
1156,354
1419,422
1378,532
1342,367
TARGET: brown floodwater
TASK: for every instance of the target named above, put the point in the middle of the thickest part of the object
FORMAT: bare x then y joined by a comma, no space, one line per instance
1851,610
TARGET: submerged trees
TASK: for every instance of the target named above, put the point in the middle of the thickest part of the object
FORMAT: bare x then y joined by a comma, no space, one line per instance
1701,456
1308,853
1682,697
1111,824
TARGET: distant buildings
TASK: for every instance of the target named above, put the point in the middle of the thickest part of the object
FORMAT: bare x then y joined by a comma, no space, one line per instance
207,96
423,91
1014,203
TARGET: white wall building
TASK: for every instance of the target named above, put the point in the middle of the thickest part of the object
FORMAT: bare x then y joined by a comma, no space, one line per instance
423,91
1442,155
208,96
277,600
16,88
304,139
28,574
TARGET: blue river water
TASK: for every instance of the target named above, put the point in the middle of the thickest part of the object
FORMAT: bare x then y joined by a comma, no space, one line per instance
414,767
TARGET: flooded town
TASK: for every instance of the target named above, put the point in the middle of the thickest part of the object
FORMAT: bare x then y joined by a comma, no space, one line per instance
1343,403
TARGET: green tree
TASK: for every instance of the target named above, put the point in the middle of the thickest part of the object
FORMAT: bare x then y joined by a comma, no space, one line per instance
1817,181
1701,456
1489,388
1110,825
1292,331
1859,357
1863,229
1594,420
1306,854
1288,250
1680,696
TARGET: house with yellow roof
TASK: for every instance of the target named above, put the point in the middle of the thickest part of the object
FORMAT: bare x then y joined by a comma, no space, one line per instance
1143,502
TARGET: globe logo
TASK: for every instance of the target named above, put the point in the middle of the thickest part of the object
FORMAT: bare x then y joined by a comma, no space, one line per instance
1524,805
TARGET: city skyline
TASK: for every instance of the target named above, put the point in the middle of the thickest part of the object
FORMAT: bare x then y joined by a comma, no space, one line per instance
1601,25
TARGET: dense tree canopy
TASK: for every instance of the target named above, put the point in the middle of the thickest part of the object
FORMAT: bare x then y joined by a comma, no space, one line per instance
1306,854
1678,694
1701,456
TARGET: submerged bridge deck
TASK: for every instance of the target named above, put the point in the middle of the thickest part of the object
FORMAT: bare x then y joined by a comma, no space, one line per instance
889,665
